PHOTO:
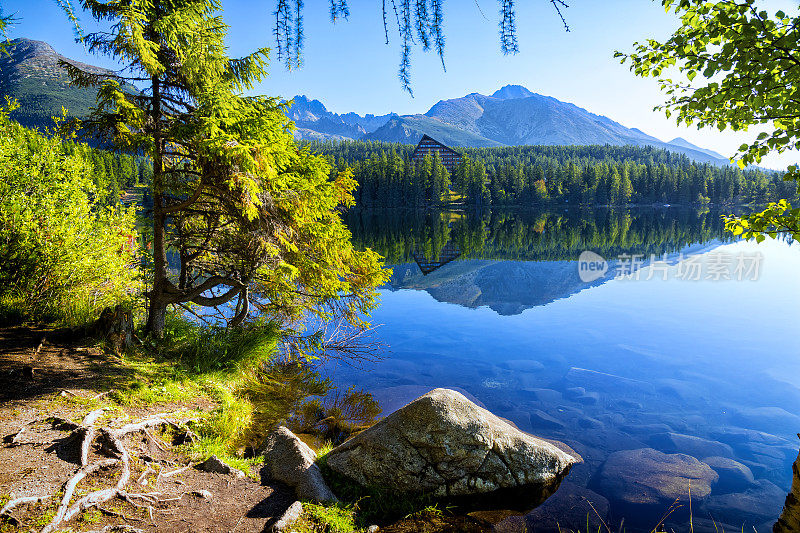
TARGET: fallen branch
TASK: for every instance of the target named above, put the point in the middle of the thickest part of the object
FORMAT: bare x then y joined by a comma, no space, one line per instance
100,395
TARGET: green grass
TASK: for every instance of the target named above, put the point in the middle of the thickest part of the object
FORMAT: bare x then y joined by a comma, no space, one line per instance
326,519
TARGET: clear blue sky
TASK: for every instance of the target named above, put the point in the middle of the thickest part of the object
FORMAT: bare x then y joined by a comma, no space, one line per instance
349,68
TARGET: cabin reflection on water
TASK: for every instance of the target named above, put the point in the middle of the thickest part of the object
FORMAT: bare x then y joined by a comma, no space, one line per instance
427,265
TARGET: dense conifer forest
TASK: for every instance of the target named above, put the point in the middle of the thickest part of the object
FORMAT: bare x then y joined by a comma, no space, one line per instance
541,175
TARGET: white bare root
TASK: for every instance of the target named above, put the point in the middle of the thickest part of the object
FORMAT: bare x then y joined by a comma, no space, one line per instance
92,417
22,501
112,445
178,471
69,488
143,478
87,428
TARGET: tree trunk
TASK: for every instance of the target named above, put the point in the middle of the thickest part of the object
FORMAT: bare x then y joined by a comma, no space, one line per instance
158,304
789,522
116,327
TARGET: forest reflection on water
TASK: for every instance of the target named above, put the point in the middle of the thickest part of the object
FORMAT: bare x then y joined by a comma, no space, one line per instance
708,366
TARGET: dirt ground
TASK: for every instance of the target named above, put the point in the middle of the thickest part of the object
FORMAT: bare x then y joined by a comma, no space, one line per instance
36,381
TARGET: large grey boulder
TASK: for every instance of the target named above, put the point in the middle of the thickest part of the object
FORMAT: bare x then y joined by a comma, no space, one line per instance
647,477
289,460
444,445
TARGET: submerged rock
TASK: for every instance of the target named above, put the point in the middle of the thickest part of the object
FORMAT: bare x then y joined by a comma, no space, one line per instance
770,419
647,477
690,445
571,508
289,460
733,475
759,503
443,444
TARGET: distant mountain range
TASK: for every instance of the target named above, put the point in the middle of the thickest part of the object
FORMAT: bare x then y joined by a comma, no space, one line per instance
511,116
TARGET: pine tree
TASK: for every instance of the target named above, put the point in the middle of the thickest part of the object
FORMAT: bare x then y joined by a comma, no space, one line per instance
254,215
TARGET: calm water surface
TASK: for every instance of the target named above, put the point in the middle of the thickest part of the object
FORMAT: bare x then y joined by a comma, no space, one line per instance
503,316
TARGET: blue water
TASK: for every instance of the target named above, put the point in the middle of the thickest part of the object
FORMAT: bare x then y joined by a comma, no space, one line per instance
698,358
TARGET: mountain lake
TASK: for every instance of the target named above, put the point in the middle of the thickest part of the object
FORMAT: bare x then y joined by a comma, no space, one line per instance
675,337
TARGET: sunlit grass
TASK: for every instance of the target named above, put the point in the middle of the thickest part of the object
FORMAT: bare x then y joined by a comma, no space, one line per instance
337,518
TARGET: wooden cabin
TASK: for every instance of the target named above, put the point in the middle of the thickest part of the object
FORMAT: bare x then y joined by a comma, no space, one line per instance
450,158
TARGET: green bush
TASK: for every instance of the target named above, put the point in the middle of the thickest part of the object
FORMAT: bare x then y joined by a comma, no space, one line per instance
62,256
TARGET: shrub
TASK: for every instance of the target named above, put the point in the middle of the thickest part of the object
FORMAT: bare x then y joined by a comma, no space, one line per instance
62,256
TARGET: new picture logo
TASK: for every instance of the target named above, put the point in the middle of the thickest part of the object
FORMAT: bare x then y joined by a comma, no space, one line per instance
591,266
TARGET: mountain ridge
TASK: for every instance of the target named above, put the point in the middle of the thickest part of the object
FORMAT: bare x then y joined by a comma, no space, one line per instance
513,115
30,72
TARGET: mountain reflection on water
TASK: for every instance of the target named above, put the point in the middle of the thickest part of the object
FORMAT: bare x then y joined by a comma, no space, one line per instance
510,261
706,368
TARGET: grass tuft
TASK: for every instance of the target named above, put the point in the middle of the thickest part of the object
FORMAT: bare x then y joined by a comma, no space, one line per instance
326,519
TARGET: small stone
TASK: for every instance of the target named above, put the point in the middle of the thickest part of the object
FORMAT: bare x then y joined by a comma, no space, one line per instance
206,495
288,517
215,465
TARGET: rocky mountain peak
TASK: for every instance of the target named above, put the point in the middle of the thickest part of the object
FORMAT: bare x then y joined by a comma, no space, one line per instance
512,92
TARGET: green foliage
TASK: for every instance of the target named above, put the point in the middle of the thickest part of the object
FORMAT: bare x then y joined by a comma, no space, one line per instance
779,218
6,22
277,391
201,349
62,255
540,175
749,75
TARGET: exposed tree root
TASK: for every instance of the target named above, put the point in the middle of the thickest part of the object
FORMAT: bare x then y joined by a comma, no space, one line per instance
21,501
117,455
